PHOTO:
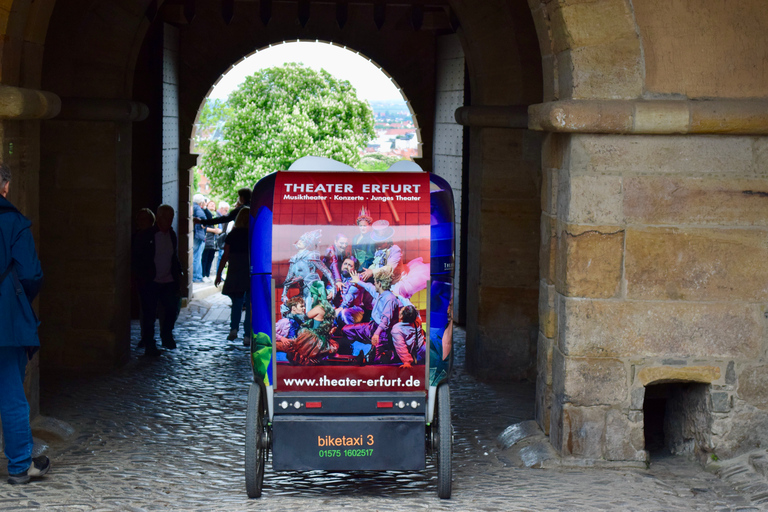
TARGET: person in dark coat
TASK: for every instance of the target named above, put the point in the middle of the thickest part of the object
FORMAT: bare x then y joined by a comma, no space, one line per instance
237,285
158,272
20,278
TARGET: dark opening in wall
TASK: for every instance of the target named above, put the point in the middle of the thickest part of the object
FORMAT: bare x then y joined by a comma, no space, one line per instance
675,418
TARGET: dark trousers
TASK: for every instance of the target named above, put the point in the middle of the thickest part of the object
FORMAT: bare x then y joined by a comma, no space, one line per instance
208,255
153,295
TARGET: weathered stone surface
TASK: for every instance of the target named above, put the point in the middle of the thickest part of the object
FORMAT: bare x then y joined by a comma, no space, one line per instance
543,403
695,155
743,430
661,374
698,69
607,71
510,256
544,359
554,149
520,181
589,381
687,420
548,249
753,386
549,188
575,24
721,402
697,264
589,261
583,431
590,199
624,439
695,200
508,308
661,117
604,328
547,311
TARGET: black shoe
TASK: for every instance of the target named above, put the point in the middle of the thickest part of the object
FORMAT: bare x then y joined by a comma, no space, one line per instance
39,467
247,341
170,344
152,350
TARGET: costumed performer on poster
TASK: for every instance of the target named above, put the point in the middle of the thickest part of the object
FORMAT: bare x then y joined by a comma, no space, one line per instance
385,310
408,338
355,301
294,313
313,343
408,279
304,266
363,247
334,256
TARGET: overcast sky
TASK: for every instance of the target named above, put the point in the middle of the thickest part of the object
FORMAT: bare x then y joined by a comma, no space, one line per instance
370,82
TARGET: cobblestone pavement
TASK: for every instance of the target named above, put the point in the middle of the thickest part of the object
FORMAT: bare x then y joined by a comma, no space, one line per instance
167,434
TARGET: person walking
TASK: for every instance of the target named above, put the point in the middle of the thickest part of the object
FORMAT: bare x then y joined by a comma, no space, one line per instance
237,285
20,279
158,270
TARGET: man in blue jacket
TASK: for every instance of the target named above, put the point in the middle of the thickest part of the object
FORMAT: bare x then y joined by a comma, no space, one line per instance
198,245
20,278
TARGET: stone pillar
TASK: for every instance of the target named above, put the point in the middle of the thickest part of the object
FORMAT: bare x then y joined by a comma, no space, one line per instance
653,270
502,246
85,188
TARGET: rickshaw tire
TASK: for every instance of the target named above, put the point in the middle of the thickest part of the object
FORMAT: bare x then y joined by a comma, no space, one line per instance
255,454
444,442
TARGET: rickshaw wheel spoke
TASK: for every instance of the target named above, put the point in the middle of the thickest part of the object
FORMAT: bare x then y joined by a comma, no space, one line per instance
255,453
444,442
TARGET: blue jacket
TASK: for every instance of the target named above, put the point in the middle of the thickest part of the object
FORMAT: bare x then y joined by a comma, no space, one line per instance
18,323
199,229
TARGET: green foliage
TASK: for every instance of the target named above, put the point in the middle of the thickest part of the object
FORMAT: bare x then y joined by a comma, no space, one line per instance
195,181
279,115
377,162
213,112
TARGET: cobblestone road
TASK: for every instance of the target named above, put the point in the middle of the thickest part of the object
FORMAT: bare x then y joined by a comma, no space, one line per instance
167,434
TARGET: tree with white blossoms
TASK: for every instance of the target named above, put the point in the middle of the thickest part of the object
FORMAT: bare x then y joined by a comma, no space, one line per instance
279,115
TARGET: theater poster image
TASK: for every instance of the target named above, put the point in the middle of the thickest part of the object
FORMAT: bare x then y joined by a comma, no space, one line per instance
351,265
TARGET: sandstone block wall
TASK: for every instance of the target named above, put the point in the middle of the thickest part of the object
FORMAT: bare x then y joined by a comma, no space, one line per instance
654,270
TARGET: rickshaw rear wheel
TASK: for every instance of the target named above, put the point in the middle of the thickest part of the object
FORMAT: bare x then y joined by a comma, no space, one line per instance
444,431
255,451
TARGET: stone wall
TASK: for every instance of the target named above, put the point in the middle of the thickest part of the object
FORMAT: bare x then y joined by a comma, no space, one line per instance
658,274
503,213
653,243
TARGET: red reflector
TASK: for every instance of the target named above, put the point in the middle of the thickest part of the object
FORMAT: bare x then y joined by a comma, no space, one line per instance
384,404
314,405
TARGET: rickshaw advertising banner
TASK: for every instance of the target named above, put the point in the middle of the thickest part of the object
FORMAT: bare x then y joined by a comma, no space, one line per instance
350,260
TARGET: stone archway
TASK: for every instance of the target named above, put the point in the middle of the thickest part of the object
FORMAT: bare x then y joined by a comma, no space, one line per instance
192,135
651,140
